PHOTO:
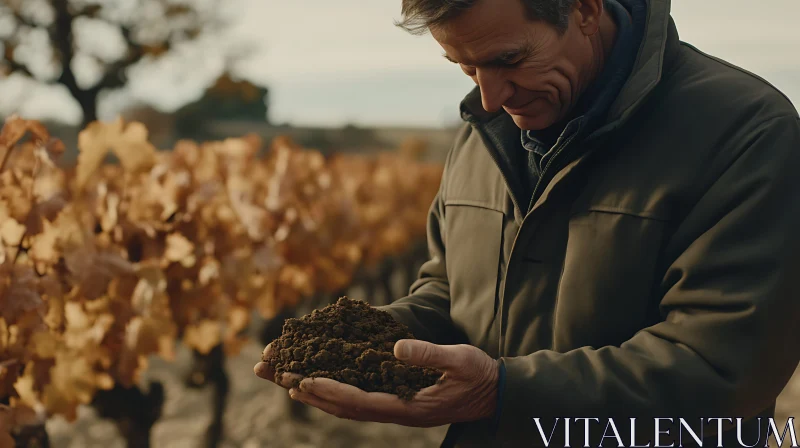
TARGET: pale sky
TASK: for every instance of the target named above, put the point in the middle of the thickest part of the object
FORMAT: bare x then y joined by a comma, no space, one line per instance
331,62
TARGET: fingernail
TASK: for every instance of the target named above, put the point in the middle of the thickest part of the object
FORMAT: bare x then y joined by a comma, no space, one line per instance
404,351
305,385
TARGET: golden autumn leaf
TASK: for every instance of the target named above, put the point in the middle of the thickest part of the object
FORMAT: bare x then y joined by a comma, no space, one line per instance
133,148
84,329
25,389
203,336
110,218
45,344
179,250
209,271
93,146
144,335
20,296
129,143
11,231
54,148
150,289
237,148
13,130
44,245
253,218
238,319
73,381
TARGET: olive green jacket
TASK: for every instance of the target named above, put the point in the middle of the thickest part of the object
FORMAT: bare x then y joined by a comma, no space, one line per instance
657,273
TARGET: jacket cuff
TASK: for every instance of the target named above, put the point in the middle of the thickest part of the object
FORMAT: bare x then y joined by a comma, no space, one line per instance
522,398
501,387
537,395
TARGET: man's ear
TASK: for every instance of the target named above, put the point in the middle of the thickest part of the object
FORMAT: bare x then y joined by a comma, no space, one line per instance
587,15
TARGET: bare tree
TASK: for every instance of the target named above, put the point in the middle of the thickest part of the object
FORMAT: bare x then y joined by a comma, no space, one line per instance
146,29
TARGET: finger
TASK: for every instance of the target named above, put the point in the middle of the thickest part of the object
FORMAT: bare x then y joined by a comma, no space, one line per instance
426,354
264,370
266,352
341,411
285,380
323,405
288,380
351,397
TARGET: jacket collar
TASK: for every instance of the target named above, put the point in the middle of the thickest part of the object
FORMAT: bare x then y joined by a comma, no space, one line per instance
658,49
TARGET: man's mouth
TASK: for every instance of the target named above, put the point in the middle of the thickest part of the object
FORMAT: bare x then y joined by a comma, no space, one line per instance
519,110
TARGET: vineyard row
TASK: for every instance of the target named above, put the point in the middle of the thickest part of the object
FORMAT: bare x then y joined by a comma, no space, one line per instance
103,265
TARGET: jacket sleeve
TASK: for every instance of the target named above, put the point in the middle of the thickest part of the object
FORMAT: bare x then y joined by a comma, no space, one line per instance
728,340
426,309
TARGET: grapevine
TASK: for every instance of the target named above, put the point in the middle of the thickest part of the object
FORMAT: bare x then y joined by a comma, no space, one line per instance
103,265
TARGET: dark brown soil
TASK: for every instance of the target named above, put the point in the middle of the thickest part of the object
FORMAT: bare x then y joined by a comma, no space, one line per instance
352,343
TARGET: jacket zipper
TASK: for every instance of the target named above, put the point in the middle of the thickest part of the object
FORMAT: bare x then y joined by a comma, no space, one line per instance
544,170
560,149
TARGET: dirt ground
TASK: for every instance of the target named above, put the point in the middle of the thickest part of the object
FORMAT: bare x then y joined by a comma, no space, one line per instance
256,417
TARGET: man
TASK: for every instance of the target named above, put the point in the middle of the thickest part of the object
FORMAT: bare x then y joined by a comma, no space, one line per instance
616,235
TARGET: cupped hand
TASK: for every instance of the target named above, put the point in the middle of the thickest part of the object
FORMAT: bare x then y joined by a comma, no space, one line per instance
466,392
264,370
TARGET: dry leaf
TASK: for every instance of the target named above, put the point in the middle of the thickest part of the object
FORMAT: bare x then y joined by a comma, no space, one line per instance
204,336
179,250
43,248
25,389
134,151
129,144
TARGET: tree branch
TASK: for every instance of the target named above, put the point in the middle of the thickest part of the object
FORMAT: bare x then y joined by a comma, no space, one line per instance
89,11
21,20
14,66
185,24
115,76
115,73
61,38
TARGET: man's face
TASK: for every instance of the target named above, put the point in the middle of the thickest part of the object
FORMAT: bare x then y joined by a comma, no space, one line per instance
526,67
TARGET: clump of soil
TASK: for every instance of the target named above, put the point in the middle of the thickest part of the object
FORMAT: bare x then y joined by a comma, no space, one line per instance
352,343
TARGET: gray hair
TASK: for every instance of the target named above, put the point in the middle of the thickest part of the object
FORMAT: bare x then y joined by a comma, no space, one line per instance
420,15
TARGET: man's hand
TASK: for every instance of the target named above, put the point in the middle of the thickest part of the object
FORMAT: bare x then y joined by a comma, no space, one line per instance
264,370
467,391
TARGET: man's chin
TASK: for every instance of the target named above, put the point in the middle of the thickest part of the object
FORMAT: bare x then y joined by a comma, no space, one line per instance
533,123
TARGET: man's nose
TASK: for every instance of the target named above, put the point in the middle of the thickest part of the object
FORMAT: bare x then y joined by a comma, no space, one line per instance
495,90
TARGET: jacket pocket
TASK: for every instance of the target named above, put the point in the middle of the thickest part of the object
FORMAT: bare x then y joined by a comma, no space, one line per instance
607,285
474,243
